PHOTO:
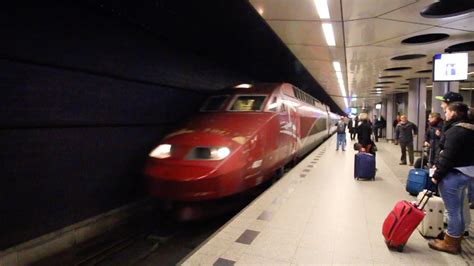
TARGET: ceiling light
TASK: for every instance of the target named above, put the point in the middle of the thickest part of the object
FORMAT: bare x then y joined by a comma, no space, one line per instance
260,11
322,8
429,86
339,75
471,73
337,66
329,34
243,86
466,89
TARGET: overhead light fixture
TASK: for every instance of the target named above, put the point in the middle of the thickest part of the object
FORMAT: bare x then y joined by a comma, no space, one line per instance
260,11
339,75
471,73
337,66
429,86
322,8
329,34
466,89
243,86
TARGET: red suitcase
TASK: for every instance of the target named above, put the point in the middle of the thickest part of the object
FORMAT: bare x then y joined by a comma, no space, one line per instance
402,221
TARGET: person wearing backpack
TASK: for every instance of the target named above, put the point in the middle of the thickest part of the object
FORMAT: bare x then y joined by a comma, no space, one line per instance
341,134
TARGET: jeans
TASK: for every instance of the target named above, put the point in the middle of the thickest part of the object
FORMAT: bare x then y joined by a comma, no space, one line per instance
404,147
341,140
452,189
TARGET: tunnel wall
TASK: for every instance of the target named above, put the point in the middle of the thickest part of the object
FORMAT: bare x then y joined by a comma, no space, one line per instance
83,98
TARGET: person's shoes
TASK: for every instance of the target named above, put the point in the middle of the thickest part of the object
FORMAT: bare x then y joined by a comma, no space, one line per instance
466,233
410,164
337,149
449,244
402,163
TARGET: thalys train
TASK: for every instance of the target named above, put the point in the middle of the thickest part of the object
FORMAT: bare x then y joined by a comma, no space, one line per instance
242,137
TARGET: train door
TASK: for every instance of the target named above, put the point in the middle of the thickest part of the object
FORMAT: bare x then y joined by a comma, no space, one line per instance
288,128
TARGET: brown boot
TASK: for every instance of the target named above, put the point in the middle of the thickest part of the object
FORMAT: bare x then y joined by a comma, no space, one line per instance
449,244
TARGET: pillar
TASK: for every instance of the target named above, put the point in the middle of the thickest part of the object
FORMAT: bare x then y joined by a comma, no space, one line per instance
417,109
390,116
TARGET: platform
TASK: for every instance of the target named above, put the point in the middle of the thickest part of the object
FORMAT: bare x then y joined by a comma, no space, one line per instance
318,214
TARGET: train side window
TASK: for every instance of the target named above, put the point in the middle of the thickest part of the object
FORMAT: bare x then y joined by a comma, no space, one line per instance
273,106
214,103
248,103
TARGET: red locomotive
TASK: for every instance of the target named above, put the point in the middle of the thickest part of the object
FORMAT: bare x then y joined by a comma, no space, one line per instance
241,138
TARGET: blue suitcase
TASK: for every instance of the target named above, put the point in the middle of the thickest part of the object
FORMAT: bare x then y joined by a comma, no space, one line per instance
364,166
418,179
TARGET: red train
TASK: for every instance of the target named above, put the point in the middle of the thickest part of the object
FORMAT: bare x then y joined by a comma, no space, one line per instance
241,137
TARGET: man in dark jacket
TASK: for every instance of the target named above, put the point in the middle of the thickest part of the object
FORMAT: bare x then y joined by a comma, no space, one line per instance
433,136
404,133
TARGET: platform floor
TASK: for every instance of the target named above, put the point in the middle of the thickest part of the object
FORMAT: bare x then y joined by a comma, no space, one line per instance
318,214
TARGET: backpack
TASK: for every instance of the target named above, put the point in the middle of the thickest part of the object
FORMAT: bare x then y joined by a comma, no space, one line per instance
341,128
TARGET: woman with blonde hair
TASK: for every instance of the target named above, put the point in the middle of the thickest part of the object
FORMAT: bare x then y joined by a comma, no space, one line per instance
364,131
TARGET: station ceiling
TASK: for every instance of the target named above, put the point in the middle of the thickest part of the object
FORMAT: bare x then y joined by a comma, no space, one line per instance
369,35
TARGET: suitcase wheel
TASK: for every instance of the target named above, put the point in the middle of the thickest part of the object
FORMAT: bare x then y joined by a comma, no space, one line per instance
400,248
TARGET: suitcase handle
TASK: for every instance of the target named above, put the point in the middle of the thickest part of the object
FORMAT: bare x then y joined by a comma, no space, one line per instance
428,194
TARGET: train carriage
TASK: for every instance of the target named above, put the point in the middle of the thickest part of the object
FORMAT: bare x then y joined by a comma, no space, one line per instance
240,138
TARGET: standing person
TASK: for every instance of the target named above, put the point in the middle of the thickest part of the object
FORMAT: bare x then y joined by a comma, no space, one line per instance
341,134
364,130
354,124
433,136
404,133
351,126
395,123
382,124
376,128
453,172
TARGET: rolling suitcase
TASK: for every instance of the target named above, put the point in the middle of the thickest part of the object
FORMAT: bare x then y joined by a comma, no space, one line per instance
432,225
364,166
418,179
402,221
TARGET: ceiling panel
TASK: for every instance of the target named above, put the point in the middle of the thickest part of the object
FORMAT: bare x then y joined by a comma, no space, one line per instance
370,31
294,9
305,32
362,9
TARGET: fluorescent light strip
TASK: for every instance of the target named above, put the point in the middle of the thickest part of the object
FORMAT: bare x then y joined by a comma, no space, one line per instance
337,66
339,75
322,8
329,34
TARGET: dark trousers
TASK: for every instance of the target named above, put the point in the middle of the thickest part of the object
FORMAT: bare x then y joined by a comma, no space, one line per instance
353,134
404,147
376,133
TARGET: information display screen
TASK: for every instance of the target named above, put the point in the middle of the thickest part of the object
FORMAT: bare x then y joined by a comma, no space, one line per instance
449,67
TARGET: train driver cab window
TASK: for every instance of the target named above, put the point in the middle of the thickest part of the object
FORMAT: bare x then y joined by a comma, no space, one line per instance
214,103
273,106
248,103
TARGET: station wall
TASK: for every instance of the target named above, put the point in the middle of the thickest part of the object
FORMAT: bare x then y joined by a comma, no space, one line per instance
83,98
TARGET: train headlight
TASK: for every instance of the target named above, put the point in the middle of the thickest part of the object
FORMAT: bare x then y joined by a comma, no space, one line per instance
208,153
161,152
220,153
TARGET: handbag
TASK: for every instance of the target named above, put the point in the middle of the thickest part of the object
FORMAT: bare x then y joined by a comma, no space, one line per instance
357,146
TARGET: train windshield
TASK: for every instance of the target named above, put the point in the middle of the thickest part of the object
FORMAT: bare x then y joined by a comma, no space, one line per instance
248,103
214,103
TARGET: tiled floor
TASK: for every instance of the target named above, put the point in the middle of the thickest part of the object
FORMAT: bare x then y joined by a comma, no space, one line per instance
318,214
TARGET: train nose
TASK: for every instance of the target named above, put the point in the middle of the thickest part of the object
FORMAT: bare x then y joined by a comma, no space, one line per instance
193,169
